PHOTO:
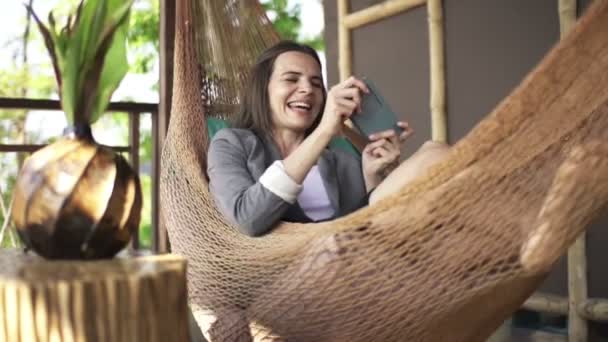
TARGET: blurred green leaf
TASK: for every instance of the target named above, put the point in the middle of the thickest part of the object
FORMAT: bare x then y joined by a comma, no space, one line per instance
115,65
98,33
286,20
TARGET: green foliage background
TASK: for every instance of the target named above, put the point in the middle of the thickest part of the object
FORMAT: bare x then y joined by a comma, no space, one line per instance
27,80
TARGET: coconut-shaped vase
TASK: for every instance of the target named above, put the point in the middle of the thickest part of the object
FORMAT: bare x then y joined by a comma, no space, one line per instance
76,199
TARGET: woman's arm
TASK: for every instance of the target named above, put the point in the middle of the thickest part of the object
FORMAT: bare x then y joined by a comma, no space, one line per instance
243,199
343,100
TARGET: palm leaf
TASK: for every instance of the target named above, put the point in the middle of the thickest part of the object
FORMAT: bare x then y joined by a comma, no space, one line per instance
114,43
48,42
97,34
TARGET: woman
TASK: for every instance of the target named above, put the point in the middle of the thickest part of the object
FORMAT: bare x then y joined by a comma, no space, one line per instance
275,163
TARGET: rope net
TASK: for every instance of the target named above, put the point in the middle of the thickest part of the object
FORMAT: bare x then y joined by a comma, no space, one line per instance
448,258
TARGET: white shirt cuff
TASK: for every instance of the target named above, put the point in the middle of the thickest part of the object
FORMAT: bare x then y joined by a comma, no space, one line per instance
277,181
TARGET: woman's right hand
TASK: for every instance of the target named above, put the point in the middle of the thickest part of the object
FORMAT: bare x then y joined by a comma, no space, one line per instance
343,100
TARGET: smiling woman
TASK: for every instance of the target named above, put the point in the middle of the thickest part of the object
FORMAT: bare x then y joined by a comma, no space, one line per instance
276,163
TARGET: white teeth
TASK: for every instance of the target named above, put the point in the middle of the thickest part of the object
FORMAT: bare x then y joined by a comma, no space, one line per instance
302,105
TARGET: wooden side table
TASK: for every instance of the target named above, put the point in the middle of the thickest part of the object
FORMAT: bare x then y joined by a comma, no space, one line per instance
125,299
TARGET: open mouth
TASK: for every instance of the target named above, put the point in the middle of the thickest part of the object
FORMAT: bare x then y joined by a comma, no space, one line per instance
300,106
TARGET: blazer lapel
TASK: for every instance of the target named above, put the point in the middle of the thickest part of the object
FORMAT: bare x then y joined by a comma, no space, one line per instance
327,169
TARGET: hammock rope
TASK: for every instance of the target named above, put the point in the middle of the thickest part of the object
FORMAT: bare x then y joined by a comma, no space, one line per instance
447,258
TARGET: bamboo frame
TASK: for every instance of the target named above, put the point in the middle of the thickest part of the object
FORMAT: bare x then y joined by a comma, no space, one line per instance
349,21
439,129
345,63
379,11
591,309
577,289
547,303
567,15
577,254
388,8
594,309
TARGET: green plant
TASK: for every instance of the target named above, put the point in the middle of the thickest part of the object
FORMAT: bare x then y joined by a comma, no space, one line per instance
79,52
74,198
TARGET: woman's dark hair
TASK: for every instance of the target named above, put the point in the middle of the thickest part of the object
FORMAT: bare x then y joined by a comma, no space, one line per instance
255,112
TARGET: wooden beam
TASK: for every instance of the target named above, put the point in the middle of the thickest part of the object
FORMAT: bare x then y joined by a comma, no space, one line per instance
23,148
377,12
594,309
547,303
439,126
32,104
344,43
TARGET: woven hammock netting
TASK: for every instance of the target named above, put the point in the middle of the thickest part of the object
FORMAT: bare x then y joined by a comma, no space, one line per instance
447,258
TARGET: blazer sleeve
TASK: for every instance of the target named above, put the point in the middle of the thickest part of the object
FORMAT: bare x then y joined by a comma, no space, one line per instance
241,198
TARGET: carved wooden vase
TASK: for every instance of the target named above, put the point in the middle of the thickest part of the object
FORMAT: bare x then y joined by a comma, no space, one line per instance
75,199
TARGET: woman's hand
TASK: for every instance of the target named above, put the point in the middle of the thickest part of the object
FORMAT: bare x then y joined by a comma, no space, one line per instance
381,155
343,100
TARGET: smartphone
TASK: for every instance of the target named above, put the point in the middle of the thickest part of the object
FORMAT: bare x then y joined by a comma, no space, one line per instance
376,115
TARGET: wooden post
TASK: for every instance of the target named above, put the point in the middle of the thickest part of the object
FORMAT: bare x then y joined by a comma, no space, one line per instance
577,290
345,50
437,55
577,254
380,11
120,300
567,15
161,123
134,159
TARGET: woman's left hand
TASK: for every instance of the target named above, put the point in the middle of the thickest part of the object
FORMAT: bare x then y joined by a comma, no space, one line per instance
381,155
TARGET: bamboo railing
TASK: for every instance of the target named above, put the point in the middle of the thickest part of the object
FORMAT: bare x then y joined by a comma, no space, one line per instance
577,306
350,21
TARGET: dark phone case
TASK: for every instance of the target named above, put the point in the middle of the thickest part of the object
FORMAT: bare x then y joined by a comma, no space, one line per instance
376,115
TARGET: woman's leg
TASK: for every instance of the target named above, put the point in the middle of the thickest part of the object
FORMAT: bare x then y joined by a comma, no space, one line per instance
428,154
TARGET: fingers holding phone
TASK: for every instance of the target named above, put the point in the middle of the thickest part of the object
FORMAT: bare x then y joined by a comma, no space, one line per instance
342,101
407,132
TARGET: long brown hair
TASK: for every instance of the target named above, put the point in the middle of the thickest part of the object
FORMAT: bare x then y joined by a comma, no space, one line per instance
255,112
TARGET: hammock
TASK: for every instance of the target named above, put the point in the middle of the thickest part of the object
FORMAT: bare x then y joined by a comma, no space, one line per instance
448,258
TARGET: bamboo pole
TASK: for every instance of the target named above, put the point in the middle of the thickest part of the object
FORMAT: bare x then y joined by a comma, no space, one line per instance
383,10
577,258
547,303
567,15
345,50
577,290
437,63
594,309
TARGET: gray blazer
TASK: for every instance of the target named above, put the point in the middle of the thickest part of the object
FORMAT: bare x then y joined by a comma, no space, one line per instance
237,158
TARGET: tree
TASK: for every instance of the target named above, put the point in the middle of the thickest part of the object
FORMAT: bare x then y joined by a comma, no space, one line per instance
286,20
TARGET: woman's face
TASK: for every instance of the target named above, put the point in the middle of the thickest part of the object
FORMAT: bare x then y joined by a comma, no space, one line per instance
295,91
